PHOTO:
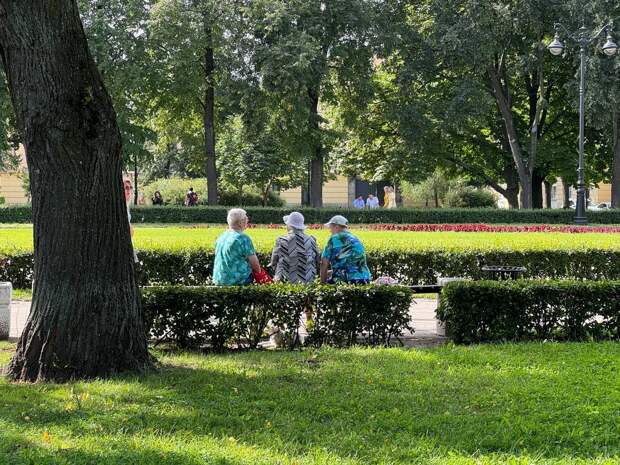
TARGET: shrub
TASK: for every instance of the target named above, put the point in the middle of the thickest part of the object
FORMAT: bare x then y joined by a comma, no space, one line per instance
487,311
236,317
470,197
259,215
248,199
173,189
194,267
2,200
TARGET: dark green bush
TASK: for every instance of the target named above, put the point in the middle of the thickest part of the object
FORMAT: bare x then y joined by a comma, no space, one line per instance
470,197
195,267
268,215
491,311
237,317
247,199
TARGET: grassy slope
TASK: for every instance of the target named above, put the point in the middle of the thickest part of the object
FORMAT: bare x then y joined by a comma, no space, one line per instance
515,404
171,238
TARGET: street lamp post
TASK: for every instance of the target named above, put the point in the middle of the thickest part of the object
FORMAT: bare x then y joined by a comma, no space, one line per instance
583,38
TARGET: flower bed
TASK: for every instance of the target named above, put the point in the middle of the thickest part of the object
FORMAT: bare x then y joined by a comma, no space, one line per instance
472,227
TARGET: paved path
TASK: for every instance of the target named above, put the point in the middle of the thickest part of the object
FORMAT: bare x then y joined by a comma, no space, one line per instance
422,315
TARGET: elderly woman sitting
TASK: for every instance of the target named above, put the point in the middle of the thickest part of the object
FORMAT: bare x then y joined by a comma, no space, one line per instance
345,254
235,258
296,257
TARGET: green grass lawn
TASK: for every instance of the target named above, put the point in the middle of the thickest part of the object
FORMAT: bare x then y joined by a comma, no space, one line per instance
513,404
176,238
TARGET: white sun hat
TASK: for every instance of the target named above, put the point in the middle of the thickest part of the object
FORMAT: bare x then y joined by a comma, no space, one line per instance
295,220
338,220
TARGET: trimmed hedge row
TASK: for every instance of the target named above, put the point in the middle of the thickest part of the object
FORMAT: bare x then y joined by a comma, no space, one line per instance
222,317
194,268
259,215
523,310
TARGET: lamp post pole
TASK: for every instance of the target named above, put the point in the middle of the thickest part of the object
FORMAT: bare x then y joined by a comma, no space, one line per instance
583,39
580,208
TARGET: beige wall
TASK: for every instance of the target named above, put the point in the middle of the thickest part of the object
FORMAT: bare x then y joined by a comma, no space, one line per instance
335,192
11,189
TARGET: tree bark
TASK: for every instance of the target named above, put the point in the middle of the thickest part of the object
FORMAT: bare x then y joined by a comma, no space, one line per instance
502,98
316,164
615,177
566,194
209,115
548,199
537,189
86,319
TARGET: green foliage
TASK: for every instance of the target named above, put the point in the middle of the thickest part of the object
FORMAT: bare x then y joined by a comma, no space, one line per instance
2,200
173,189
470,197
238,316
485,311
251,157
259,215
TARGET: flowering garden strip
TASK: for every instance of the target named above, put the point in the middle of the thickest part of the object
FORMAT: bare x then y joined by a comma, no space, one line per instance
477,227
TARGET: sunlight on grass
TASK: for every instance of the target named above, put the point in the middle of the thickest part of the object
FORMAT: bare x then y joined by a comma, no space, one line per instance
191,238
517,404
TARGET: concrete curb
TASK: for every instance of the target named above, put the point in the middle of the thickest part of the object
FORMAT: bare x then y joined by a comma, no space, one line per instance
6,292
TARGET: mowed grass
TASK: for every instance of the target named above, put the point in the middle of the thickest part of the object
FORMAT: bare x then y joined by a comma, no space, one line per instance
512,404
174,238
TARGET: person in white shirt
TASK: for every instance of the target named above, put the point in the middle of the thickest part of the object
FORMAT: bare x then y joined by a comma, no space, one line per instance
372,202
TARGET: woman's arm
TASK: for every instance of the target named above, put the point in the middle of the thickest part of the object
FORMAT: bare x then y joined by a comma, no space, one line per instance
254,263
275,256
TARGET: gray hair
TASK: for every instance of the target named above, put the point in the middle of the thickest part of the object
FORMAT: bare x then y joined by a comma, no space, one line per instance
235,217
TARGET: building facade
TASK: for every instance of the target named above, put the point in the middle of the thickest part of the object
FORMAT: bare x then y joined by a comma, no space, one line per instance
12,183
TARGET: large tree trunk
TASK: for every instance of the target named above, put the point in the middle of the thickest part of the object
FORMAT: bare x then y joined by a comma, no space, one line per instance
537,189
316,163
512,186
615,178
565,194
548,199
502,98
209,115
86,317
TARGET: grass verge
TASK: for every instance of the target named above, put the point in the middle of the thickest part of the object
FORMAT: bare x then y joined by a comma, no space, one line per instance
495,404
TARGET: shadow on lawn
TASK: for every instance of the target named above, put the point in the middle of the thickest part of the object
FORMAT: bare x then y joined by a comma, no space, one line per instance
392,405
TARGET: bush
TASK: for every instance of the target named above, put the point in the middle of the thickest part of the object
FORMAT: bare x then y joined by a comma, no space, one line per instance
2,200
194,267
259,215
173,189
248,199
491,311
470,197
222,317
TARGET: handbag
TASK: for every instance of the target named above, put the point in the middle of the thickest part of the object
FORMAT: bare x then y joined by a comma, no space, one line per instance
262,277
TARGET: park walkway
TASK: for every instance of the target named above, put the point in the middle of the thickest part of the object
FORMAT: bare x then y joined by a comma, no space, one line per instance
422,316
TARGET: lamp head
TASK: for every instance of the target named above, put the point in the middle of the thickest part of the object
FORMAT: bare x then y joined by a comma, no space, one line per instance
556,47
610,48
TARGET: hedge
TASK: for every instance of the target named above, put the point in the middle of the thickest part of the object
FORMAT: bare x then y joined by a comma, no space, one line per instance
221,317
258,215
523,310
194,267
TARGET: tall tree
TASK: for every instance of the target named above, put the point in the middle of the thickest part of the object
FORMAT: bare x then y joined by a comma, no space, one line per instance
305,46
192,44
86,317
